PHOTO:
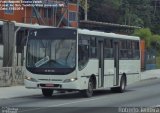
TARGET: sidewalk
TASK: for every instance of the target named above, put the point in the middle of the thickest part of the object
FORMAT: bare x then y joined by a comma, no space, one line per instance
21,91
17,91
150,74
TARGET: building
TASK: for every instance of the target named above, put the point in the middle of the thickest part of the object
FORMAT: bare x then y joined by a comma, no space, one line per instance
43,12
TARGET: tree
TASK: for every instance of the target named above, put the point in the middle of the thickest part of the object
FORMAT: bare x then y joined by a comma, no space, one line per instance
155,42
144,34
136,12
104,10
155,27
142,13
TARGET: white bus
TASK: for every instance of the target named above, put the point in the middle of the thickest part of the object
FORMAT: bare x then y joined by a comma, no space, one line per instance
80,60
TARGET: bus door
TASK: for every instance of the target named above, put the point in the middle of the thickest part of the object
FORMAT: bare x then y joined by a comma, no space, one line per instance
116,63
101,63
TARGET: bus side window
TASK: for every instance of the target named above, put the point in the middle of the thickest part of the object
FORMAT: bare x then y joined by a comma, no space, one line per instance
135,47
83,53
108,48
123,49
129,49
93,47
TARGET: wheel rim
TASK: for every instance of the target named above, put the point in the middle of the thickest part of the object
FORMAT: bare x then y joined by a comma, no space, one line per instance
90,88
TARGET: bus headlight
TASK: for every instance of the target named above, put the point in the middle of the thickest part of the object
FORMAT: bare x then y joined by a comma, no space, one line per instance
70,80
30,79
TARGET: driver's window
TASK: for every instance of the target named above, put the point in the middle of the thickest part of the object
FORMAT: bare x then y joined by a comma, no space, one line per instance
83,52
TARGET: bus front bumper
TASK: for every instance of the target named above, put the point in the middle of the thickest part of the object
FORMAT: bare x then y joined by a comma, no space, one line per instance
49,85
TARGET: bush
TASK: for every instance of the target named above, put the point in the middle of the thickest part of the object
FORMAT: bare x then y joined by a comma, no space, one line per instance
155,42
144,34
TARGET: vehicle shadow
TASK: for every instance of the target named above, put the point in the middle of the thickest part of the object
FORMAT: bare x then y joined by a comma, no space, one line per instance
77,95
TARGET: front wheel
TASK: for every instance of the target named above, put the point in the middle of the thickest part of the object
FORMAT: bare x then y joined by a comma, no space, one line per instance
88,92
47,92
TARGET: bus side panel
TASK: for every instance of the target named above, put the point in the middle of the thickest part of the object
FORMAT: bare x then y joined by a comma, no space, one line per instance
90,69
132,70
108,73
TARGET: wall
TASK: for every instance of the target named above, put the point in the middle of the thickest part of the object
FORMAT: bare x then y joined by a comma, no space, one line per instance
74,8
10,76
17,15
10,73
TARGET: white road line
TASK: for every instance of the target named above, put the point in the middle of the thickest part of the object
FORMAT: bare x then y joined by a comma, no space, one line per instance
59,105
76,102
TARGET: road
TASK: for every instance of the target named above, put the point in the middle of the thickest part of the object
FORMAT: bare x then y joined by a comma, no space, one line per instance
145,93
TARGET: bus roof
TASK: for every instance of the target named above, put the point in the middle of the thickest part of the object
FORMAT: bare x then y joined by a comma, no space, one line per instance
23,25
103,34
112,35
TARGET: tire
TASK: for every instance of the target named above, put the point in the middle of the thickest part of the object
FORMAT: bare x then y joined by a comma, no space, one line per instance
88,92
122,86
47,92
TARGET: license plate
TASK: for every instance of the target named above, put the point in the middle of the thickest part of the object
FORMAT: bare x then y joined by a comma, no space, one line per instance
49,85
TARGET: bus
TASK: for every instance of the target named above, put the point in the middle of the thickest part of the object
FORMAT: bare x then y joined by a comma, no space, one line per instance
71,59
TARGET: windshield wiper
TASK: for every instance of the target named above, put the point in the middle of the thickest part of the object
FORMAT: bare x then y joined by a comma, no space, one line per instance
69,54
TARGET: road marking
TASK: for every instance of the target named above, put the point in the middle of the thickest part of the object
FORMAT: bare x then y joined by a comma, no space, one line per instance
76,102
58,105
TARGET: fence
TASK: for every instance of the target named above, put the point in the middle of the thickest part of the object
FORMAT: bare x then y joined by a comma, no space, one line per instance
150,59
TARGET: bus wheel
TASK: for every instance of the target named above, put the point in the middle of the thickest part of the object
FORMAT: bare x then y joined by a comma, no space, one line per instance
47,92
122,87
88,92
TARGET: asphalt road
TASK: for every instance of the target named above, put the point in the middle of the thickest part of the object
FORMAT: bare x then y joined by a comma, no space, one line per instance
145,93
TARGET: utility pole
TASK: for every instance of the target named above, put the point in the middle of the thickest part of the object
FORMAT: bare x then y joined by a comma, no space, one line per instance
86,10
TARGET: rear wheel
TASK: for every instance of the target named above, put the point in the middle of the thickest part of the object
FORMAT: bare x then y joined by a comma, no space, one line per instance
47,92
122,86
88,92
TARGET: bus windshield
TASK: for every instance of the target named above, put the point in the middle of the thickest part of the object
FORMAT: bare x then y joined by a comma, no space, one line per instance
51,54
